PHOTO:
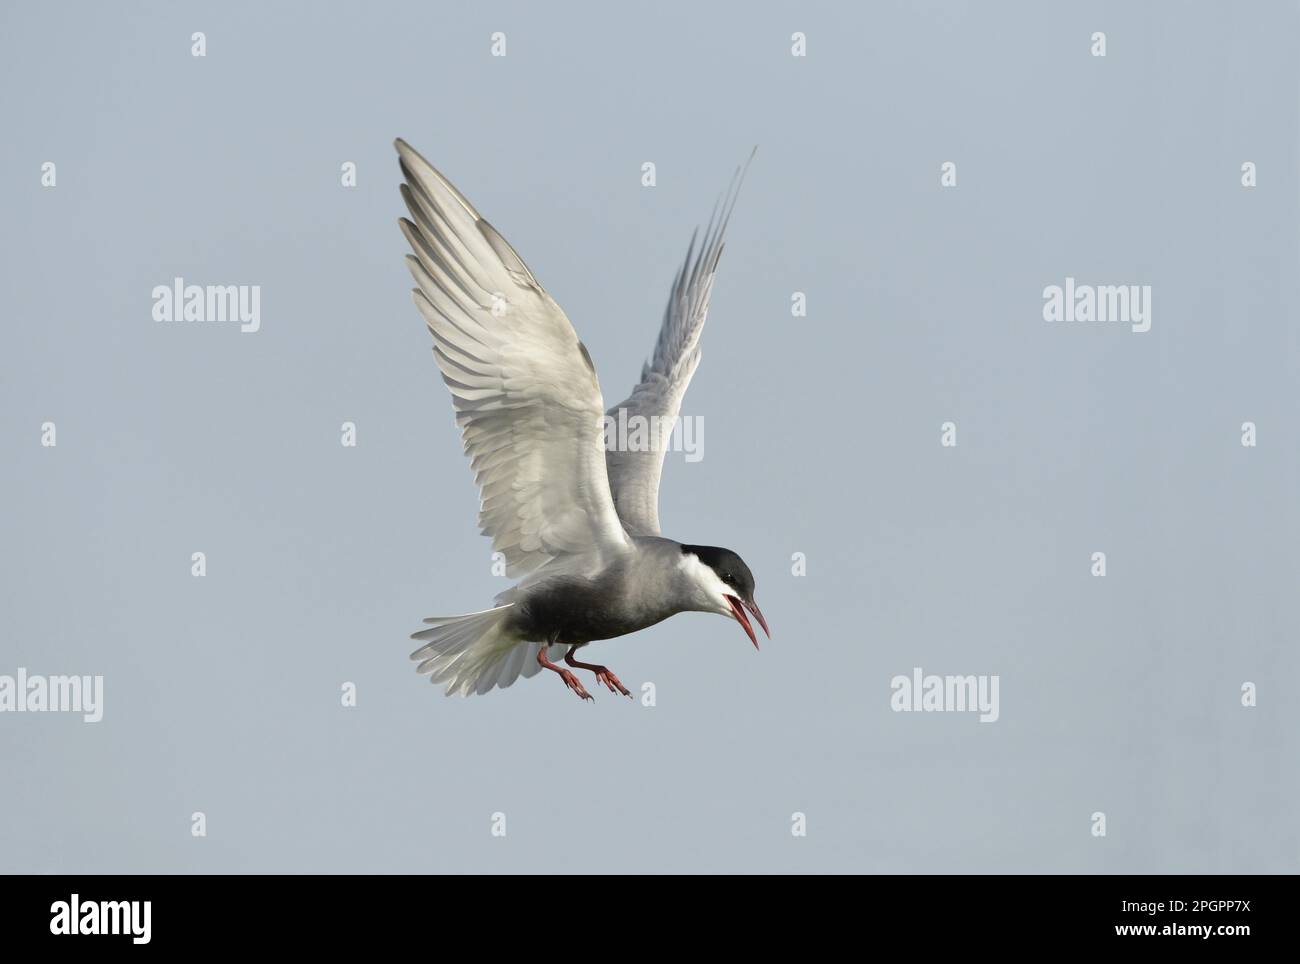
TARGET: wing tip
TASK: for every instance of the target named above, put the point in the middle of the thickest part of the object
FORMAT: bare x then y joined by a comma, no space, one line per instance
416,166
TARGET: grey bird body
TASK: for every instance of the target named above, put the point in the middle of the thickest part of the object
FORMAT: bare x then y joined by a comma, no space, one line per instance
633,592
576,523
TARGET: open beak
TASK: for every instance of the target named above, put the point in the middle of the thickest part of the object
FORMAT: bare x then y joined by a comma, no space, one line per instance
738,608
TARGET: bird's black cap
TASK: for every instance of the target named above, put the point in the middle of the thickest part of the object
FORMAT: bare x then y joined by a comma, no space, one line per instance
730,568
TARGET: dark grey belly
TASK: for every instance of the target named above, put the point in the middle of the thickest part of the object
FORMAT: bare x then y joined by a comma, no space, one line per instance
577,610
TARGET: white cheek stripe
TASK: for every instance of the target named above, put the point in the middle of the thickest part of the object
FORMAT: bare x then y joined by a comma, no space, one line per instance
706,578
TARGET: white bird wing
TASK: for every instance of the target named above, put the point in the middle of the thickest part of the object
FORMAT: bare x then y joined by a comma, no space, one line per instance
655,403
525,391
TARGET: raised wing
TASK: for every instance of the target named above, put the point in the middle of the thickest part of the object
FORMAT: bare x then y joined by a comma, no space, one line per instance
524,388
652,409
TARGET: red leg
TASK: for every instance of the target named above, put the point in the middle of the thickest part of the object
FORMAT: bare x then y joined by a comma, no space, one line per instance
603,675
570,680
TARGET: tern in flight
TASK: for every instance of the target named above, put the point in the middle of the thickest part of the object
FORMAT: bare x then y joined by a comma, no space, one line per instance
576,523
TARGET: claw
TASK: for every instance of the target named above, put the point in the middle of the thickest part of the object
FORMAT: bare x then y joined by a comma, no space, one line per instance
572,682
612,682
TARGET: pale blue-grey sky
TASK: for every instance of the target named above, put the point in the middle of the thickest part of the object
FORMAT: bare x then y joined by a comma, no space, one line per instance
1119,694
